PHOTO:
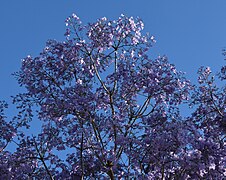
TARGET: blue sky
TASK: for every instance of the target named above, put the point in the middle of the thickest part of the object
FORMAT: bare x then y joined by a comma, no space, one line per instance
190,32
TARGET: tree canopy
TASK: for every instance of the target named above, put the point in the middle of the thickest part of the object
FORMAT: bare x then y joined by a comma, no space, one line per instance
109,111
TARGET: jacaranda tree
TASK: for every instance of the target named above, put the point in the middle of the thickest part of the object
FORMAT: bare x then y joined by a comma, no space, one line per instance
109,111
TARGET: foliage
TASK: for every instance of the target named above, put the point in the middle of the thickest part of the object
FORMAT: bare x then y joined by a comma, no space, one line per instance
113,111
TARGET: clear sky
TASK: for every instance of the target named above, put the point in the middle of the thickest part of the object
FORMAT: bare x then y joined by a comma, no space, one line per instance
190,32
